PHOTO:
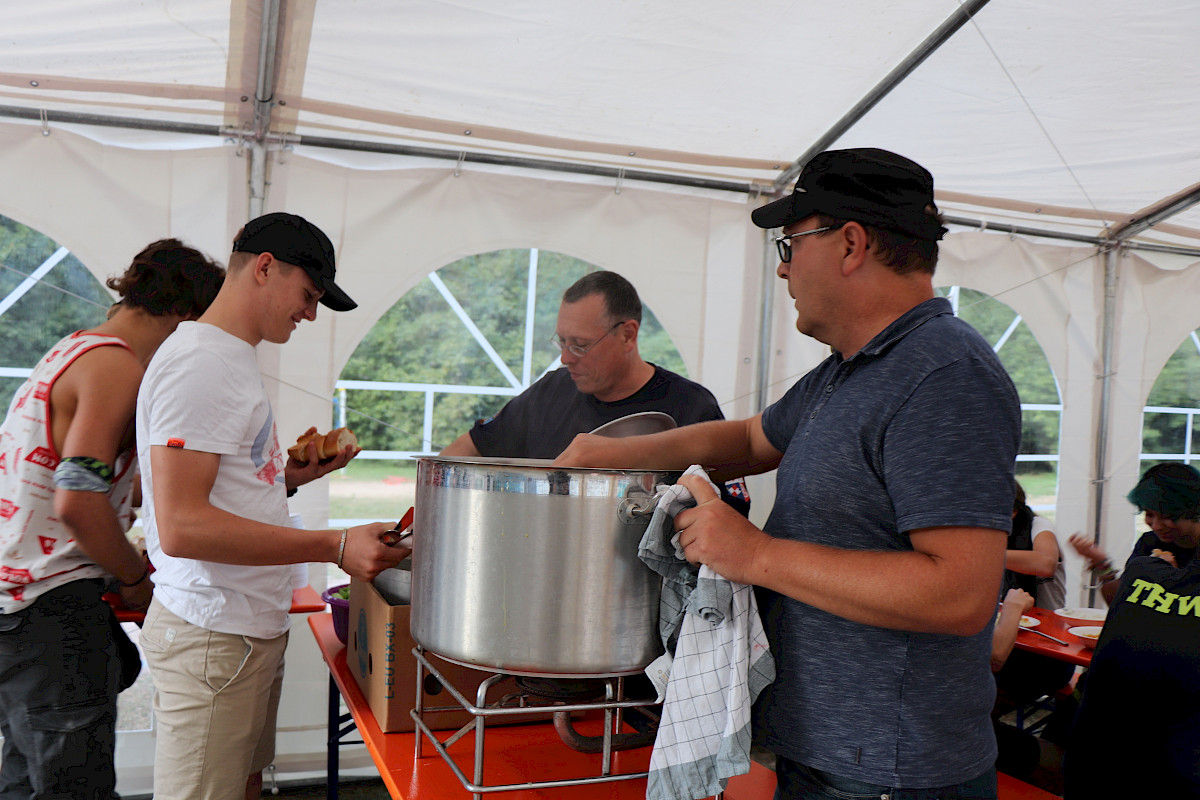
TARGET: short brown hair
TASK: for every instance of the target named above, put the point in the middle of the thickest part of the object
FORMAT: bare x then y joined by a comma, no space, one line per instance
621,300
899,251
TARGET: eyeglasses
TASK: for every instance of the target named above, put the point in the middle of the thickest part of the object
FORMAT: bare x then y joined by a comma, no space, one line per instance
577,350
784,245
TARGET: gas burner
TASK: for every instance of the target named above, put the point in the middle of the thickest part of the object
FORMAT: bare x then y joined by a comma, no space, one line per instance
578,690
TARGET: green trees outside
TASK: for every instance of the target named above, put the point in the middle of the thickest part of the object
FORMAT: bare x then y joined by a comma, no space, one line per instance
1177,386
68,298
421,340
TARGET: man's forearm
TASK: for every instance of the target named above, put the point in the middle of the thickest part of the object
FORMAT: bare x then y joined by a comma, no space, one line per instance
100,534
208,533
902,590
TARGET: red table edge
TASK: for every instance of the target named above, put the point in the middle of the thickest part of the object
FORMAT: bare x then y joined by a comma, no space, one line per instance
305,600
334,653
1056,626
757,784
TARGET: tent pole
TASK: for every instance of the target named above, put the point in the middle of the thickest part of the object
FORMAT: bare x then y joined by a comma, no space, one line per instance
961,16
1111,255
766,320
264,100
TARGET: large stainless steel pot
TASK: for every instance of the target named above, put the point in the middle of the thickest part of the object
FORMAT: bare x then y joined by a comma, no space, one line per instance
528,569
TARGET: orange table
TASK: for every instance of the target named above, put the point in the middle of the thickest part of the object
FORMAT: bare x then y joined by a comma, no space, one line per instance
1055,626
513,753
305,600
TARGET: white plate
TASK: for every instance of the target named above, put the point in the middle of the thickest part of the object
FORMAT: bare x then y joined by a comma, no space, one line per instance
1083,616
1086,634
1030,622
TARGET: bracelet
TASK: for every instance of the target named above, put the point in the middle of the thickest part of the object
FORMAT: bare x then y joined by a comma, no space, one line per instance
144,574
342,547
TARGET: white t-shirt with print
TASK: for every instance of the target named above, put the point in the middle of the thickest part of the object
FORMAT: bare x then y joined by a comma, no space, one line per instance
203,391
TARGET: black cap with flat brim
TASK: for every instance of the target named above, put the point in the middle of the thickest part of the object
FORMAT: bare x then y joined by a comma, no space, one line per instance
295,240
867,185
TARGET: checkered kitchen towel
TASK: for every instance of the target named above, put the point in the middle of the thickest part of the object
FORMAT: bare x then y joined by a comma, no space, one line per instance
721,663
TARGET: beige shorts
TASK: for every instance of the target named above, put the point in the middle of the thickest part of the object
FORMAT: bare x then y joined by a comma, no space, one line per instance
215,701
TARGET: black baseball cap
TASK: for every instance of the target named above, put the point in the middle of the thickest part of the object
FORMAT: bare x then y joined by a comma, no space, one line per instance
295,240
867,185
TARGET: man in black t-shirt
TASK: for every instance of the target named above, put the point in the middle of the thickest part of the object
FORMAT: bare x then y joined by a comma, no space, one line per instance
602,378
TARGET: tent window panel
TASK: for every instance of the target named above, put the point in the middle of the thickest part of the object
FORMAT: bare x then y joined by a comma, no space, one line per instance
454,349
1169,424
1164,432
45,294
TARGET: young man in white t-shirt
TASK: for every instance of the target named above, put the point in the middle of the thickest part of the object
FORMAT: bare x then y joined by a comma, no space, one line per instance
215,484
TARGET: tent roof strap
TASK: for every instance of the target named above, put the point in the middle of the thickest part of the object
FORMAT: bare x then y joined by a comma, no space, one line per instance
961,16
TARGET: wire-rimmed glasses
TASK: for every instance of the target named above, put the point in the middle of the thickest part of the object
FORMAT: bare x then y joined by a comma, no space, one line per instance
784,245
580,350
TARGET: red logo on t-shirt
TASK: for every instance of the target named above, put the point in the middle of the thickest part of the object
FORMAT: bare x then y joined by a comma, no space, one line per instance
175,442
20,576
42,391
8,508
3,462
43,457
267,473
47,544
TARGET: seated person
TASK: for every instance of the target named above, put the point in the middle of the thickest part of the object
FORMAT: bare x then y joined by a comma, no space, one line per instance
602,378
1019,752
1137,732
1167,495
1034,566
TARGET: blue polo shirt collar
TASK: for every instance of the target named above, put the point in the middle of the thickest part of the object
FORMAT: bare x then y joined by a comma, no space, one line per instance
908,322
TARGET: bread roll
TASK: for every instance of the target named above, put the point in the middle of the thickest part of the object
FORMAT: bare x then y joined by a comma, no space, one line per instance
335,441
328,444
299,451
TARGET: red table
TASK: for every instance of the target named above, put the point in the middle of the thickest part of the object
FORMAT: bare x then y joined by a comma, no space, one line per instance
1055,626
513,754
304,601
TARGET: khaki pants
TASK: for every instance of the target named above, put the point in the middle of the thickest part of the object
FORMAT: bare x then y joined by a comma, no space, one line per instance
215,702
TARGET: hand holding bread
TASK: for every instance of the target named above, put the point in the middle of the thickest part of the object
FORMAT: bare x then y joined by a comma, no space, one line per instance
328,445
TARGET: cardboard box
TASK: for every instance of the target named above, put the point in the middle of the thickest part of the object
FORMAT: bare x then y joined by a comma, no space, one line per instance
379,654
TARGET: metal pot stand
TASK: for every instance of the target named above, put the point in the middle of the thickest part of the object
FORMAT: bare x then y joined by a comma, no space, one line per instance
523,704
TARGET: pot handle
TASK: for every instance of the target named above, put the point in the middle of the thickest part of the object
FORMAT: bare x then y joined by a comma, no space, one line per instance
636,509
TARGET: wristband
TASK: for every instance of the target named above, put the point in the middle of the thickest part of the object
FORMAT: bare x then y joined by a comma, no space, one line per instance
292,491
342,547
145,572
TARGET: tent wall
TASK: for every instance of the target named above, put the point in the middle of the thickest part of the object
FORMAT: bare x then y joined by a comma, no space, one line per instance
693,255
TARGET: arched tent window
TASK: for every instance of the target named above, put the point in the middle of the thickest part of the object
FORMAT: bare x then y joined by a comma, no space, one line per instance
45,294
1171,419
1041,402
453,350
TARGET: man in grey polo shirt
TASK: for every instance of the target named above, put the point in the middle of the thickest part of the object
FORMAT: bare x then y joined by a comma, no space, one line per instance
880,564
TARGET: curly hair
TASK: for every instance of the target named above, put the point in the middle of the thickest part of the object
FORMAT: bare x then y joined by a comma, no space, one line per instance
168,277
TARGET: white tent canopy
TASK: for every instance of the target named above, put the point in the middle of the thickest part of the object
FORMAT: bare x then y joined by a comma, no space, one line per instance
638,136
